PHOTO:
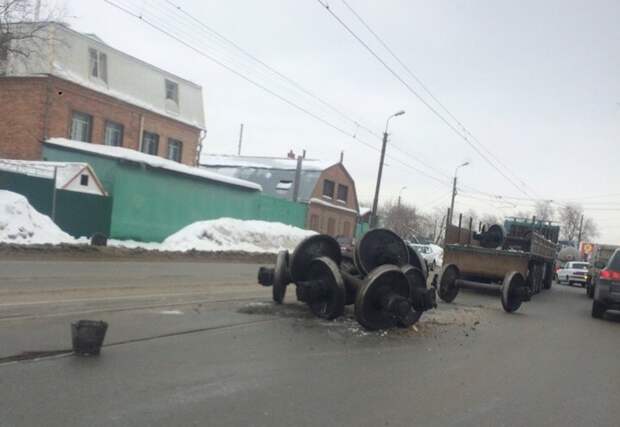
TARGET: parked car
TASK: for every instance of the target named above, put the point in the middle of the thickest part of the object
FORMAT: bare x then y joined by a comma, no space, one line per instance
346,245
430,257
573,272
607,287
598,260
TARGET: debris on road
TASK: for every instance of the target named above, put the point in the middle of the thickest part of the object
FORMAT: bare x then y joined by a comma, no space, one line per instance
87,337
380,280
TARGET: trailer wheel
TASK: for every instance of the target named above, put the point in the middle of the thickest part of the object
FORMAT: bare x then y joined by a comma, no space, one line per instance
448,289
514,291
548,277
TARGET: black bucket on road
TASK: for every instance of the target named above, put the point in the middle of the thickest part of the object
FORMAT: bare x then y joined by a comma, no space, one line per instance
87,336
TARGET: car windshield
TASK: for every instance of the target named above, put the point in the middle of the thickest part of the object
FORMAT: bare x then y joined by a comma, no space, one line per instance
580,265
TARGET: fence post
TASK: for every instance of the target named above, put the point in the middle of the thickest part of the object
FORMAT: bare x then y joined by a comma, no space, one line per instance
54,194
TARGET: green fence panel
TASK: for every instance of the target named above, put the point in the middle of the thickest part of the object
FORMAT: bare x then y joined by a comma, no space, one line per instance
281,210
81,214
152,203
360,229
37,190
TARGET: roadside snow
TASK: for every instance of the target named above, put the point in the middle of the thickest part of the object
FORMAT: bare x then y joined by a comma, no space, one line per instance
228,234
21,223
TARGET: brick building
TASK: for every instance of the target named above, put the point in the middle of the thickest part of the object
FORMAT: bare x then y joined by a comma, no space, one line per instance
327,188
78,87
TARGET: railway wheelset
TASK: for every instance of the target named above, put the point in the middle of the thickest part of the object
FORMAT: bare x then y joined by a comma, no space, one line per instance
384,279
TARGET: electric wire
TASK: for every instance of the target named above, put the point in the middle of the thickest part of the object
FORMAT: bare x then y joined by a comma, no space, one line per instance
168,32
418,96
428,91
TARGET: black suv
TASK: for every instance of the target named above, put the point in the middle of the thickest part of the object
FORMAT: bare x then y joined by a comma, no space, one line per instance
607,287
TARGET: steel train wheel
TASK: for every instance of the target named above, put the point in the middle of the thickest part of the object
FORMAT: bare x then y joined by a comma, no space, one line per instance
448,289
380,247
281,277
331,305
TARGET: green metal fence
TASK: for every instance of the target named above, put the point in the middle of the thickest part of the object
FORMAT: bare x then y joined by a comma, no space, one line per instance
152,203
78,214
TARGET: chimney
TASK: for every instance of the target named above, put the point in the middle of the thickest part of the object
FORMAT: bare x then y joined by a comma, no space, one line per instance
303,156
341,156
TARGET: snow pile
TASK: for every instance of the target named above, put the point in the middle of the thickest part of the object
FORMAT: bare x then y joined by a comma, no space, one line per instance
23,224
438,251
227,234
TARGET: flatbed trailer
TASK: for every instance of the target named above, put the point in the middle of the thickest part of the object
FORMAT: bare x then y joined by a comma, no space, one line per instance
468,263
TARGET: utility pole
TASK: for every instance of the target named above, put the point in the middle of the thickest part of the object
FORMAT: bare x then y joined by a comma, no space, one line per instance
404,187
454,192
37,10
580,231
240,139
375,203
54,194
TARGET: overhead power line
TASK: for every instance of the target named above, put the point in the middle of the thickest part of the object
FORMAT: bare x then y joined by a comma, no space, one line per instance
428,91
419,97
169,33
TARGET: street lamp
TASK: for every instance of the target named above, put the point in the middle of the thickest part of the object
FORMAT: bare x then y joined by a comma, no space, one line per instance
373,219
454,189
404,187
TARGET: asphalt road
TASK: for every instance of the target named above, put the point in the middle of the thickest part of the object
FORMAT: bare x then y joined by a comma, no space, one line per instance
201,344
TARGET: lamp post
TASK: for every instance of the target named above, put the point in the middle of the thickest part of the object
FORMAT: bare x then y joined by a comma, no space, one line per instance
454,190
373,220
404,187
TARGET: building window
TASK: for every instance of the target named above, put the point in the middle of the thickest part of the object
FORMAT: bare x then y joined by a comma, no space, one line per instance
113,134
284,185
150,143
314,222
84,180
328,188
331,226
175,149
343,193
81,127
172,91
98,64
346,228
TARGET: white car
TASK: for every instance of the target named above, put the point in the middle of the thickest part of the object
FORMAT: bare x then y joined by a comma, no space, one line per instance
573,272
429,255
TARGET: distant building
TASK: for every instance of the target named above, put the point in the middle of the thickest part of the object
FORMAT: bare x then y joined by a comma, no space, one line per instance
78,87
327,188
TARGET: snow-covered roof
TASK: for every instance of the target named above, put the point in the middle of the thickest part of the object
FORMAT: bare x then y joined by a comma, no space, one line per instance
332,205
153,161
260,162
66,172
364,210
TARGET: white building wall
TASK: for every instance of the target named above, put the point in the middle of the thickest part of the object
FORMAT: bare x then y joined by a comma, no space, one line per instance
129,78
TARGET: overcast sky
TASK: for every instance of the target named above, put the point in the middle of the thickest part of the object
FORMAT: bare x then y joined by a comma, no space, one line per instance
536,82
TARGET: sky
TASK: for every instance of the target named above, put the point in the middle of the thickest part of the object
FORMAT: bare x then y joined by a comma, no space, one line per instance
536,84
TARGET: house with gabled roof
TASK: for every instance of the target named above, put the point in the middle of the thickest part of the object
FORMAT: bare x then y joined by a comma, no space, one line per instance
327,188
